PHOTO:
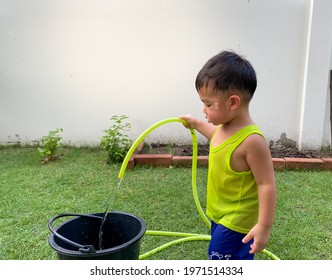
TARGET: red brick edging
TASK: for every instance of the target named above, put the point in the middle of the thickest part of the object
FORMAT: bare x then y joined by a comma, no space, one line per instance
167,160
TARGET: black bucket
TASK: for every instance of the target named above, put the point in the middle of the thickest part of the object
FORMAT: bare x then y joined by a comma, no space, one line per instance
78,238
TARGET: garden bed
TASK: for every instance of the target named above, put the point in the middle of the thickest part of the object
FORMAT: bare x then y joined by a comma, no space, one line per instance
203,150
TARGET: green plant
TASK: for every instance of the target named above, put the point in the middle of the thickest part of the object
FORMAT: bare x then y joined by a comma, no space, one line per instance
115,141
49,145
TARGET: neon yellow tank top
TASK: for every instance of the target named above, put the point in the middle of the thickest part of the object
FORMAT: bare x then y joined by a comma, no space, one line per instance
232,197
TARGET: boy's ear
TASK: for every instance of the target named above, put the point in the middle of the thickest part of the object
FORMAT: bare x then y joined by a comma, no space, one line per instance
234,102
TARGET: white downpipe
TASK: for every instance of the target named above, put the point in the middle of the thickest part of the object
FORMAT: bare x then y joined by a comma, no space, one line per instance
305,74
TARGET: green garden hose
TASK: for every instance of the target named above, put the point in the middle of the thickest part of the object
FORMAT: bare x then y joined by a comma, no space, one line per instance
194,160
184,237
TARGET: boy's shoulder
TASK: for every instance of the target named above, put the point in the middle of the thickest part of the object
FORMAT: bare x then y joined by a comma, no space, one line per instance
255,143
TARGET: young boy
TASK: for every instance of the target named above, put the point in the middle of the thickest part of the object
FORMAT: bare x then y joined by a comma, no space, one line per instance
241,188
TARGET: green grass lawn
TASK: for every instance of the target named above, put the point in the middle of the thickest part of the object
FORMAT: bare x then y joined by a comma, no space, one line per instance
81,182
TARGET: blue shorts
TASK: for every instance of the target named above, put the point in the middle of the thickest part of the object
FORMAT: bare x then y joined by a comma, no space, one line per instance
227,244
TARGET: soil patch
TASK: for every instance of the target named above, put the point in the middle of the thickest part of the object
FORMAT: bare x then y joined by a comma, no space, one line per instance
203,150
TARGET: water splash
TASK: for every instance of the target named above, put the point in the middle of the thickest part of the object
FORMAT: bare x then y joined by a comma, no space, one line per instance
120,181
101,246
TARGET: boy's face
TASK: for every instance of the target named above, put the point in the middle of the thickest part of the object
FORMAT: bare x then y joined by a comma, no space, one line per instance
216,105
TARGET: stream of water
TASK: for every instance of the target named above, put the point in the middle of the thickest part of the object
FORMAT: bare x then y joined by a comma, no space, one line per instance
100,235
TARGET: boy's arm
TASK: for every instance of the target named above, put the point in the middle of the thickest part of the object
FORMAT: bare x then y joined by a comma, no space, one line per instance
205,128
259,159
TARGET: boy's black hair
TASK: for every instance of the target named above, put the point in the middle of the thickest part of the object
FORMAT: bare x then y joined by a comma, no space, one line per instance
228,71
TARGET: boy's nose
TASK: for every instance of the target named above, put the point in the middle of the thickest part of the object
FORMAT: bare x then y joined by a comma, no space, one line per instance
204,109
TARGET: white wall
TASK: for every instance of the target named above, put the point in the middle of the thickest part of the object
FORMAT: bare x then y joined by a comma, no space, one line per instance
316,90
73,64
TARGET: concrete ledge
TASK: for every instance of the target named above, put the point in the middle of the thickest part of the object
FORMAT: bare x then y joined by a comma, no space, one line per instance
327,163
139,148
167,160
186,161
304,163
183,161
154,159
202,160
278,163
131,162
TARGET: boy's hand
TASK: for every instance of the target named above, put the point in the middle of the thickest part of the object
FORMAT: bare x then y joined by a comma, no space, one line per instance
205,128
261,236
192,122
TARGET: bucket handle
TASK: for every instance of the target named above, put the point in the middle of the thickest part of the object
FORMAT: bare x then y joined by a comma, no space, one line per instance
82,248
